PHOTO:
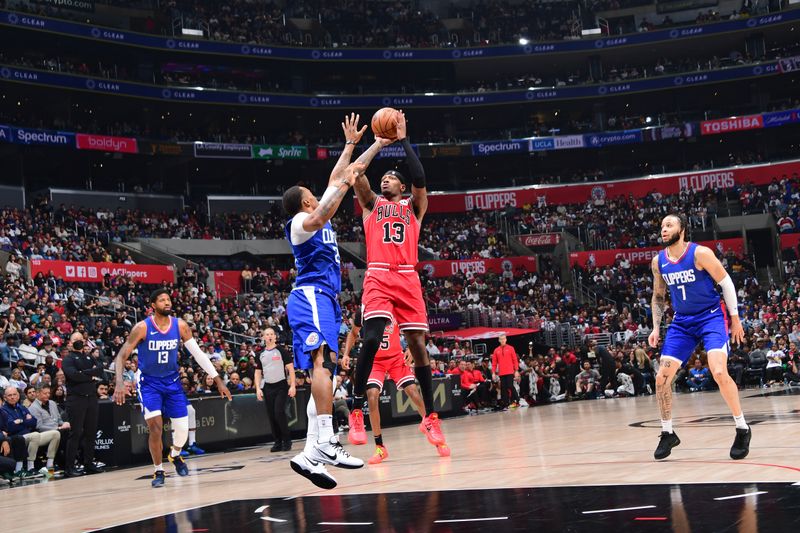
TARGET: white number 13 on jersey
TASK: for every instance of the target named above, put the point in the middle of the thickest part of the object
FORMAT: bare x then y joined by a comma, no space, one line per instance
163,357
683,291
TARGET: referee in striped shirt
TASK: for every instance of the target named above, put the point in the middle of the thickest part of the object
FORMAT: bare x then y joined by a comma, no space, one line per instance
273,366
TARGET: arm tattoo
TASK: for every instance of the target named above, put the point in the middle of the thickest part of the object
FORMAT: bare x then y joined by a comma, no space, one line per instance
364,192
659,306
343,161
369,154
328,205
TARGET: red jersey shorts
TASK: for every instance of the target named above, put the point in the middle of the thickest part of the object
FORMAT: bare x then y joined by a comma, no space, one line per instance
395,294
396,367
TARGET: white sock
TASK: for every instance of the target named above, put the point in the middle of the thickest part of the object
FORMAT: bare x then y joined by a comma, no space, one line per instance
192,438
740,423
666,425
312,433
157,467
30,465
49,463
325,428
18,466
174,453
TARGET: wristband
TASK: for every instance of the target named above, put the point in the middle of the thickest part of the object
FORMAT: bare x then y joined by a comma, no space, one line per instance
350,142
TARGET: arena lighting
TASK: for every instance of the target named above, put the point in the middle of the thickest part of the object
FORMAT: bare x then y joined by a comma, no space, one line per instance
648,120
429,94
523,41
192,32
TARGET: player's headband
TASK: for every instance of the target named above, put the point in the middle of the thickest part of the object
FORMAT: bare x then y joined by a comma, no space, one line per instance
396,174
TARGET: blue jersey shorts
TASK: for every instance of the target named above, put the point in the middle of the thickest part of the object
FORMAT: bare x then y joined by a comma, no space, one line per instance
162,396
315,318
687,331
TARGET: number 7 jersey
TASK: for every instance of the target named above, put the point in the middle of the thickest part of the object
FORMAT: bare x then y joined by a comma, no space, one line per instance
691,290
392,233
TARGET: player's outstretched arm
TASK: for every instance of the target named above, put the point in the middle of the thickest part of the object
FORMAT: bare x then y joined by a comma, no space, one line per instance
366,196
202,359
136,336
658,305
332,198
352,135
419,191
705,259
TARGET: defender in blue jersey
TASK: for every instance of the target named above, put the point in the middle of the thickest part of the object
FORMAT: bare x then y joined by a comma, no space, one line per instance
157,340
313,308
690,271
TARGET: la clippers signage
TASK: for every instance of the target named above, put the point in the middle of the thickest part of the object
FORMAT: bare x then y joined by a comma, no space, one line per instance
666,184
642,256
88,272
726,125
106,143
479,267
540,239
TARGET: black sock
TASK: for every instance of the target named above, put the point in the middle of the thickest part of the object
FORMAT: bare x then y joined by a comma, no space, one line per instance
379,440
358,402
425,378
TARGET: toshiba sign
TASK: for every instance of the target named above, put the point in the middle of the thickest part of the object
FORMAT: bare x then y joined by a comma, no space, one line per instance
725,125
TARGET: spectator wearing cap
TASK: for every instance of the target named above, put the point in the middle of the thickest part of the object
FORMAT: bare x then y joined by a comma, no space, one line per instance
46,350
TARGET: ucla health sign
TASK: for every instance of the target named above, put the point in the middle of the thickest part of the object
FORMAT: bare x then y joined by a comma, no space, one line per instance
11,134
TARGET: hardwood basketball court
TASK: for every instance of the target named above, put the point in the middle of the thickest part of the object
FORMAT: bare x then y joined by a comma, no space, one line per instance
579,466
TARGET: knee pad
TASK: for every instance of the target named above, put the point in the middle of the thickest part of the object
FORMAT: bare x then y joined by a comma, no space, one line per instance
192,417
180,431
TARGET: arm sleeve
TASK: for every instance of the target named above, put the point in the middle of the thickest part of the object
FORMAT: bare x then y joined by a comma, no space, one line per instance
287,359
297,233
729,295
259,366
416,171
201,358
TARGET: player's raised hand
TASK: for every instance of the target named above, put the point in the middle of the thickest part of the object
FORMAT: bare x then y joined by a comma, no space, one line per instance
654,337
353,171
737,331
350,127
119,394
402,130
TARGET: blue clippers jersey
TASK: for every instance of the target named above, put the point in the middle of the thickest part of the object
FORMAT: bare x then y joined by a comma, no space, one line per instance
691,290
317,260
158,352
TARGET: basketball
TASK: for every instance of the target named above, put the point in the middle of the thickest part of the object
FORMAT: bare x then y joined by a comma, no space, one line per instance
384,123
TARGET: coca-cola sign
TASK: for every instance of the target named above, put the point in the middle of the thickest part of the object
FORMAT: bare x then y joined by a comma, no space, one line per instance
539,239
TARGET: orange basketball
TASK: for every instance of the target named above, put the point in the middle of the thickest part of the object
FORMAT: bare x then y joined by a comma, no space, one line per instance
384,123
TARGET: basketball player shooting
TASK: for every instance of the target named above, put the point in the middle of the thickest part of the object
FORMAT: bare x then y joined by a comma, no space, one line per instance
392,289
690,271
157,339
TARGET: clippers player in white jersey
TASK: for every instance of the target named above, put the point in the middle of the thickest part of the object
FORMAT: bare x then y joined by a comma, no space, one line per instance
313,308
690,272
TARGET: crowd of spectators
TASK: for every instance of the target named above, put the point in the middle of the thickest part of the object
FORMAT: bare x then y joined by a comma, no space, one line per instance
360,23
253,79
